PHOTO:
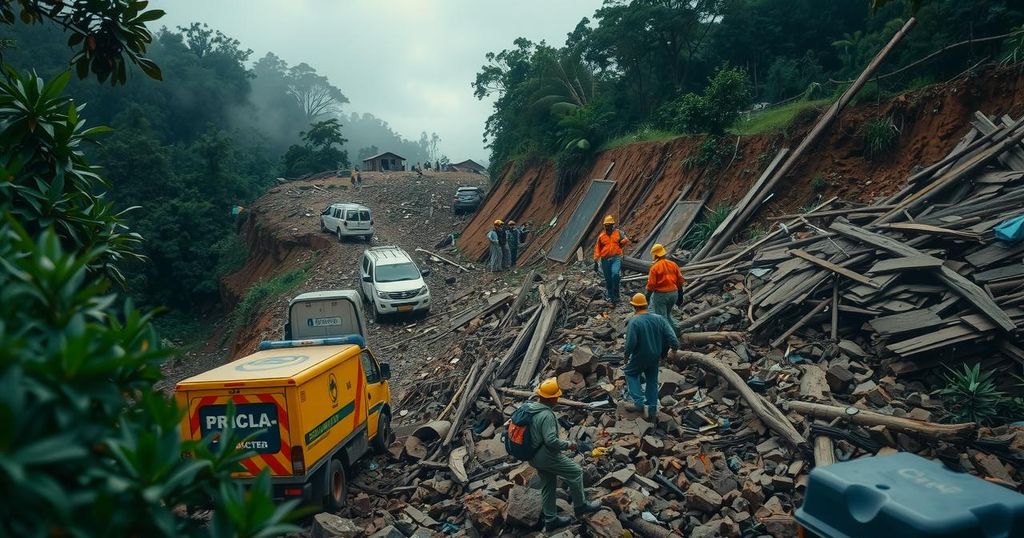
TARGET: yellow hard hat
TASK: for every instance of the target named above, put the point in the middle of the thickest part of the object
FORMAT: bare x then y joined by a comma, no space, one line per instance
549,388
638,299
498,222
658,250
609,219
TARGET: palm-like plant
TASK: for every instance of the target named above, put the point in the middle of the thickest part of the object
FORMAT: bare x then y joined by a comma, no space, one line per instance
971,395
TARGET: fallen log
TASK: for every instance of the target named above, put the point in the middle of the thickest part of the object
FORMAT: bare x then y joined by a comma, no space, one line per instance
714,337
931,430
526,395
442,258
772,417
468,398
650,530
545,324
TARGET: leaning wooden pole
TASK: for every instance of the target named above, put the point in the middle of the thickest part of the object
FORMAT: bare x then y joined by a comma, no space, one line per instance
942,432
823,123
546,323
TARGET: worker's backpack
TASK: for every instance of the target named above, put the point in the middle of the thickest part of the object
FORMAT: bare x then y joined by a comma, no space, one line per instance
518,441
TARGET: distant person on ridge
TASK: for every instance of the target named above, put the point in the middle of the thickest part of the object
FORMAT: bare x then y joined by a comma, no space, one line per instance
608,253
513,242
494,236
506,254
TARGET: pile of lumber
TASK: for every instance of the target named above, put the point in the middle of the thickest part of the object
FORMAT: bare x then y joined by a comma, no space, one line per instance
921,271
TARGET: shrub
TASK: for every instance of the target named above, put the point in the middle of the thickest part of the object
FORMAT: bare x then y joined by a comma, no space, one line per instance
819,184
701,232
713,111
713,152
971,395
880,136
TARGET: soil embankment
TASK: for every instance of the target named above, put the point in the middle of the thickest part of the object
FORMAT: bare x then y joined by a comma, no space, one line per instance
650,175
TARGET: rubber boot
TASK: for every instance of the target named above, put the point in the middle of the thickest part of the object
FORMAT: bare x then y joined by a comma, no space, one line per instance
556,522
589,508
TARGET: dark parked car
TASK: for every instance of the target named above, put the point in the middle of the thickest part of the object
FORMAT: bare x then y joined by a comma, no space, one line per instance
467,199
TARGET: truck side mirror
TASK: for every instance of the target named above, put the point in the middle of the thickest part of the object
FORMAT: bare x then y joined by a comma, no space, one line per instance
367,279
385,371
425,271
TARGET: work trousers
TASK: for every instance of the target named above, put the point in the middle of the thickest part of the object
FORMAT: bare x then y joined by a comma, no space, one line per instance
506,256
611,268
550,469
643,388
494,263
662,303
514,251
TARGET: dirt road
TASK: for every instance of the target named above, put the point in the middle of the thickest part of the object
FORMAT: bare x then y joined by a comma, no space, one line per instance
283,234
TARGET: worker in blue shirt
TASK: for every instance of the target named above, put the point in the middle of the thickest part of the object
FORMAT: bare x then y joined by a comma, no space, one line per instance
649,337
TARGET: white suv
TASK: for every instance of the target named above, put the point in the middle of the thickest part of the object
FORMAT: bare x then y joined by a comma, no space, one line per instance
391,283
347,220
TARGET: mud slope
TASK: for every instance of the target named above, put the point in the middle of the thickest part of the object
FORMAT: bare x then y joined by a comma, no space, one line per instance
931,121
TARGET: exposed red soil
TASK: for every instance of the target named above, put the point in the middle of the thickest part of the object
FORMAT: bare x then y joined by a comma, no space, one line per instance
931,121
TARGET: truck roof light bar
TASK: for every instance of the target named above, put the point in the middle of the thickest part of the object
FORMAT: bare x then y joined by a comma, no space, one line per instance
352,339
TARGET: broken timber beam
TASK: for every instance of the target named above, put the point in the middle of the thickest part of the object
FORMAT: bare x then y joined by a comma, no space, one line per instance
932,430
774,419
715,337
696,318
442,258
800,323
545,324
825,264
526,395
963,287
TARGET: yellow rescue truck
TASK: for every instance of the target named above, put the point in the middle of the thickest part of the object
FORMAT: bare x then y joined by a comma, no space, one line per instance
312,408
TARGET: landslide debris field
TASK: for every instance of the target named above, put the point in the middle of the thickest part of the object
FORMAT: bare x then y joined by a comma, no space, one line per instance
832,335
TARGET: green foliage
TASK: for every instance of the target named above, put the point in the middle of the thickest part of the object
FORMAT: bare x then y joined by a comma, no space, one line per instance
47,182
819,184
713,111
701,232
105,34
971,395
788,77
757,231
261,295
319,152
88,445
713,153
1013,49
880,136
644,133
776,118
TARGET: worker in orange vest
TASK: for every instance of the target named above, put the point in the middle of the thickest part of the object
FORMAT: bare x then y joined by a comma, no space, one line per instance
608,252
664,284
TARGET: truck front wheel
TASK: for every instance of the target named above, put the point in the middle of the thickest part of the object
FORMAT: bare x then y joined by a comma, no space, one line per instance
337,486
383,439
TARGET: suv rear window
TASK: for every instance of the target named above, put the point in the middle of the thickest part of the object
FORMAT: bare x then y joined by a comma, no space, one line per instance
364,215
352,215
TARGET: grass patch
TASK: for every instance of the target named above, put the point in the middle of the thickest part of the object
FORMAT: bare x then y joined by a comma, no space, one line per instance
776,118
644,134
266,292
701,232
880,136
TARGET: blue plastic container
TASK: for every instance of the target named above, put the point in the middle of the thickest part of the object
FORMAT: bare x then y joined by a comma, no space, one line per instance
907,496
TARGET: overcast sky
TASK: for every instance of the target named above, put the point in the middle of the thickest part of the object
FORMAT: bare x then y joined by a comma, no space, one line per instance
408,62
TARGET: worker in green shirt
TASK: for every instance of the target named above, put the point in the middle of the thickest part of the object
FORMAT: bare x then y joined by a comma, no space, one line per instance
550,462
649,337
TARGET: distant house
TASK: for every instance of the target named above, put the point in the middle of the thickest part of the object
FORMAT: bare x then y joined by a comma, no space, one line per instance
469,165
384,162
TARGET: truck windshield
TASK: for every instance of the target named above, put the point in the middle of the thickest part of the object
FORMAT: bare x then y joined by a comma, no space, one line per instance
397,272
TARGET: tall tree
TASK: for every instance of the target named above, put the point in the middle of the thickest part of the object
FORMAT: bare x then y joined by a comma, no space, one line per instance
314,93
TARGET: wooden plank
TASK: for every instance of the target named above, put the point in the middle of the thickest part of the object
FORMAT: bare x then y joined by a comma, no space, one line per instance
931,230
1000,273
495,302
994,253
852,275
800,323
866,210
967,289
906,322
